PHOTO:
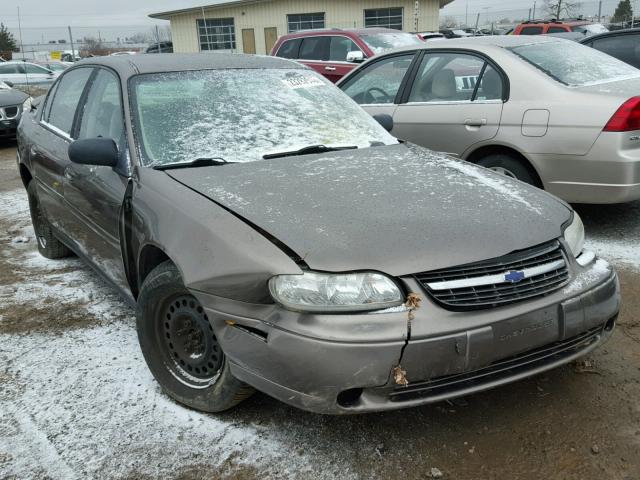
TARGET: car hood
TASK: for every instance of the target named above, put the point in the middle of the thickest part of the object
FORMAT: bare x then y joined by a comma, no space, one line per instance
399,209
11,96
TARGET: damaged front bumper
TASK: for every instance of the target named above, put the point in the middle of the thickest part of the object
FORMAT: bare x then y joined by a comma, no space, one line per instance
342,364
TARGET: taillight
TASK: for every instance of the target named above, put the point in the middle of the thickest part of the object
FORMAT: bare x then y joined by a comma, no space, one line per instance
626,118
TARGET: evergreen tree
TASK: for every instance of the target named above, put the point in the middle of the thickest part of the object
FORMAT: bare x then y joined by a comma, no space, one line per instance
7,42
623,12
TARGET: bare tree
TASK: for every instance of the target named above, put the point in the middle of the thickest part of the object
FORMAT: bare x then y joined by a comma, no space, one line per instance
561,8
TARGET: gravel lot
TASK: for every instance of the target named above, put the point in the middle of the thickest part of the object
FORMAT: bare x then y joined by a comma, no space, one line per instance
77,400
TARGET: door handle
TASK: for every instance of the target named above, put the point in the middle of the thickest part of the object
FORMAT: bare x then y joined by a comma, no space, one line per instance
475,122
330,69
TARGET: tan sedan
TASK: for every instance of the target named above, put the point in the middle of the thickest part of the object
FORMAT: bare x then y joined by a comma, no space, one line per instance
550,112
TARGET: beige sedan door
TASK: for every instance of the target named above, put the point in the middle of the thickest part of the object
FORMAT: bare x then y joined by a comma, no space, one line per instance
454,102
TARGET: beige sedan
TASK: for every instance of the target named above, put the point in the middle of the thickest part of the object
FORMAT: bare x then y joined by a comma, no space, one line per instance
550,112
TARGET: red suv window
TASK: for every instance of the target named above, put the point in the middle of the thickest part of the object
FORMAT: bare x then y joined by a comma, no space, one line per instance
557,30
314,48
531,30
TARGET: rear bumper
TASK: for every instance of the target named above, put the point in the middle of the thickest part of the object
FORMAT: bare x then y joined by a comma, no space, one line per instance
609,173
330,376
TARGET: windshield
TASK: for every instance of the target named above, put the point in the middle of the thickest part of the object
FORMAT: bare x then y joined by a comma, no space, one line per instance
381,42
574,64
242,115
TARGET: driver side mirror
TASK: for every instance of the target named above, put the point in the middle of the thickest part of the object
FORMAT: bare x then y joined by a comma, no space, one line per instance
385,120
101,152
355,56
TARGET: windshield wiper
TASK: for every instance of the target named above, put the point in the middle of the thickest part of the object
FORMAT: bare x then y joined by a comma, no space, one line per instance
308,150
198,162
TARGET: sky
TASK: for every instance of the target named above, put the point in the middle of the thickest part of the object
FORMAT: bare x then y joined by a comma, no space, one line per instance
47,19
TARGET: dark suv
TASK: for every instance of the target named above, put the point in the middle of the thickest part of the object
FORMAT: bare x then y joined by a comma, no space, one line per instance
334,52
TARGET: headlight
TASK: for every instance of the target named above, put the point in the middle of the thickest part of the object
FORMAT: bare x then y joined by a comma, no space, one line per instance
329,292
26,106
574,235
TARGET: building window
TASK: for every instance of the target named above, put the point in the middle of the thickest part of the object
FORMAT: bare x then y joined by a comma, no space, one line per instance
383,17
217,34
304,21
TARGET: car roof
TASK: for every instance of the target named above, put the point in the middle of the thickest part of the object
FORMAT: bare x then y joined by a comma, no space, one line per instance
612,33
484,43
129,65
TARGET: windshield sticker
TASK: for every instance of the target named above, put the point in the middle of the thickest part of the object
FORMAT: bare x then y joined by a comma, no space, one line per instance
302,82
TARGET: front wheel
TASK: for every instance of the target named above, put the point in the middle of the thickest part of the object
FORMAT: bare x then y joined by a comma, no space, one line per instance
511,167
180,347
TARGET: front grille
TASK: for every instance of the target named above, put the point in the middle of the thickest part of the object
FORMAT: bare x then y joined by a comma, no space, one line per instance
501,369
10,112
483,284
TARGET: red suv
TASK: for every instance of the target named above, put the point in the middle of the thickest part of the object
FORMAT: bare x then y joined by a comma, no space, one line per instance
335,52
541,27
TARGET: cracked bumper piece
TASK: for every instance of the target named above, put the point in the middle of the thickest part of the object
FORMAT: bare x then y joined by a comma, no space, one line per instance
342,377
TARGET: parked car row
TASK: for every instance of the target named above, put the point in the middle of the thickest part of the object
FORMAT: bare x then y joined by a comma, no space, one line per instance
273,235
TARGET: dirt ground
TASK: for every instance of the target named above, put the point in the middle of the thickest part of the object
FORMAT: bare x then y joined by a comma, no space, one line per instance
77,401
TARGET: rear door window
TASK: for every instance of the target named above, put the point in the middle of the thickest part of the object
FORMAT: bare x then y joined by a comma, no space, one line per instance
67,96
557,30
379,82
289,48
314,48
531,31
9,68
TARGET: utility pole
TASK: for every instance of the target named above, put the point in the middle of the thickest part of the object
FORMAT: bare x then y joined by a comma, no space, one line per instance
158,40
529,14
559,8
73,52
599,10
466,16
20,32
534,11
477,21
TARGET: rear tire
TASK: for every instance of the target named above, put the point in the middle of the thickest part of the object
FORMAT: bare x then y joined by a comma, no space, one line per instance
180,347
510,166
48,245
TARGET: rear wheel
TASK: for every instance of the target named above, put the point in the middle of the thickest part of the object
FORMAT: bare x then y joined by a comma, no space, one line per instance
48,245
180,347
511,167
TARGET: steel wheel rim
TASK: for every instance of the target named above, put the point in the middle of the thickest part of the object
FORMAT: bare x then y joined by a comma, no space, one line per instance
504,171
190,348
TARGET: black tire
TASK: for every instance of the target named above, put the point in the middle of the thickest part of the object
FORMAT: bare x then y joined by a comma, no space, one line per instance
48,245
511,167
179,345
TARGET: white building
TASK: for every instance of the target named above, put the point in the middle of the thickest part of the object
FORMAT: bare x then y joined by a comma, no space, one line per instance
253,26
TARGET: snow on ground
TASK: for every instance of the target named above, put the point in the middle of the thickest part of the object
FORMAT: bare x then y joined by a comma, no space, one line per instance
623,252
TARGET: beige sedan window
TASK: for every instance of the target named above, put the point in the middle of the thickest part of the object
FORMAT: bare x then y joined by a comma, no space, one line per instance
379,82
446,77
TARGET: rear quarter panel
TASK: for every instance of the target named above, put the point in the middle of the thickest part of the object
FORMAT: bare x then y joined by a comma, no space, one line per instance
576,116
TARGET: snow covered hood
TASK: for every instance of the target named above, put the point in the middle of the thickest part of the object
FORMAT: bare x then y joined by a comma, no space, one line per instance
399,209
